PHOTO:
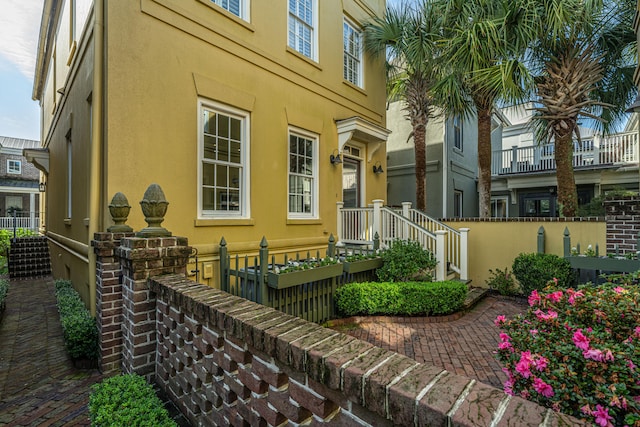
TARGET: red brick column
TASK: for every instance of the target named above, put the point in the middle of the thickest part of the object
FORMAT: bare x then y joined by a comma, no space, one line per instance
141,258
623,224
109,299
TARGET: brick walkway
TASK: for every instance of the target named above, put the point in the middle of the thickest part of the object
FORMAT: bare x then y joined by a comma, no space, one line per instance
38,384
464,346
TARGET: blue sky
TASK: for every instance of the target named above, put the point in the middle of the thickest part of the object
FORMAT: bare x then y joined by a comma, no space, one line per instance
19,27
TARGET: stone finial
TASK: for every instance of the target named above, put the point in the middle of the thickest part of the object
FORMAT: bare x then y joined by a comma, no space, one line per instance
119,209
154,207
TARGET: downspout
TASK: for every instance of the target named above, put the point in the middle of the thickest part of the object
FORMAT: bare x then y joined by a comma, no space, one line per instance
445,168
95,190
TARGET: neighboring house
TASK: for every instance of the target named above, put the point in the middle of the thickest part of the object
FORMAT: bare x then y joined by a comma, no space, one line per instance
524,172
452,162
19,185
235,108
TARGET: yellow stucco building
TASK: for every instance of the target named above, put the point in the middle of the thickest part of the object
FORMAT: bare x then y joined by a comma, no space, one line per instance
236,108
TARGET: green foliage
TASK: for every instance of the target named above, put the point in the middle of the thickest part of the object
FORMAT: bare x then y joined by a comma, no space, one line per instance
503,282
126,400
7,235
577,351
78,326
534,270
406,261
393,298
4,288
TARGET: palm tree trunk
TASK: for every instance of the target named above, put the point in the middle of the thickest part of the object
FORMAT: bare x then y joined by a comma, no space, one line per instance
484,161
420,148
567,194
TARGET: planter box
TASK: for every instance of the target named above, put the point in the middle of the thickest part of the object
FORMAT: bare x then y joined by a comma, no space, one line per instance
362,265
286,280
604,264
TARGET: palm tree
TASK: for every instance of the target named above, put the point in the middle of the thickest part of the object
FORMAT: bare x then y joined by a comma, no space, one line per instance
484,42
585,63
408,39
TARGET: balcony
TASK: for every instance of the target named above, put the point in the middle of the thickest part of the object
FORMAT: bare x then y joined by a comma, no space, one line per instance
592,153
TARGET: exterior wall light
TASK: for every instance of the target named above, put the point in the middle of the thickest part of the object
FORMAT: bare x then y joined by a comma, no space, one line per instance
335,157
377,168
42,187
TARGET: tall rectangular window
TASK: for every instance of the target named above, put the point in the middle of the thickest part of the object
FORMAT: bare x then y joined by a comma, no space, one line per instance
457,203
499,207
302,27
14,167
69,173
352,42
224,140
237,7
303,175
457,132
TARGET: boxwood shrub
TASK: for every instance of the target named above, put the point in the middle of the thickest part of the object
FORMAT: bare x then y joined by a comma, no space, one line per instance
126,400
78,326
405,261
401,298
535,270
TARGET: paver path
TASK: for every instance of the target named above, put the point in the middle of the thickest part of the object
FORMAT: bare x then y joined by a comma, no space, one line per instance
38,384
464,346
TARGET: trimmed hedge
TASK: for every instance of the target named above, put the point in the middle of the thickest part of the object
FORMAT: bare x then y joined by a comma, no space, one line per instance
78,326
126,400
401,298
406,261
535,270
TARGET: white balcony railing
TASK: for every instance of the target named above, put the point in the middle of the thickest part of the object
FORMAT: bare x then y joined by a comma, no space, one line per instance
26,220
617,149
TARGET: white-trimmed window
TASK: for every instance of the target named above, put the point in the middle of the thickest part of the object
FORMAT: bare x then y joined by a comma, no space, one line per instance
457,132
69,174
224,162
14,167
499,207
303,174
237,7
302,27
457,203
352,43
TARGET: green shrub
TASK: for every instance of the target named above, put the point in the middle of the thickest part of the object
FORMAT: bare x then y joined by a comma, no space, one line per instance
394,298
534,271
503,282
406,261
78,326
7,235
126,400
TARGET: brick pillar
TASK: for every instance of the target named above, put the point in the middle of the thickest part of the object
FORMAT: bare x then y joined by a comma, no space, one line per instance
623,224
141,258
109,299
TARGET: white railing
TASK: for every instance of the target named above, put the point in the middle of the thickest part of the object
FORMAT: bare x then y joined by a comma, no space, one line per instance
449,246
591,152
9,222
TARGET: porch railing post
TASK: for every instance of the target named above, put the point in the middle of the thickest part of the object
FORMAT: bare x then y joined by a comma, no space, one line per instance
541,240
566,240
331,250
377,218
406,206
441,255
339,231
514,159
464,254
264,268
224,266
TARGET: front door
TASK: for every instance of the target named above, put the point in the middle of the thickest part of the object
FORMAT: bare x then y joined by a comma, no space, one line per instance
351,182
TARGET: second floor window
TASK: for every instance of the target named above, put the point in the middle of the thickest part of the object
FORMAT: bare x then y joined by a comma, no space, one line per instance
14,167
352,54
236,7
223,161
457,132
302,27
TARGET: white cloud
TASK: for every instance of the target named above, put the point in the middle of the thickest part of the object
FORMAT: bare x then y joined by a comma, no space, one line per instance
19,28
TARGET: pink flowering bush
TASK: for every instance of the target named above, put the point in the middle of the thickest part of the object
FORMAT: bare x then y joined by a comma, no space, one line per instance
577,351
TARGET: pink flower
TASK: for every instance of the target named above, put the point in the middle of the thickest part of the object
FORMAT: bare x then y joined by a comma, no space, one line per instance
593,354
602,416
555,280
541,315
543,388
508,387
541,363
573,295
618,289
534,298
636,331
533,331
500,320
608,356
505,345
523,367
504,337
631,365
586,410
555,296
580,340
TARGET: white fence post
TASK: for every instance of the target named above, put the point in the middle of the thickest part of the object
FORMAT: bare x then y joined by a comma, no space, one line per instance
464,254
405,213
339,230
377,220
441,255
